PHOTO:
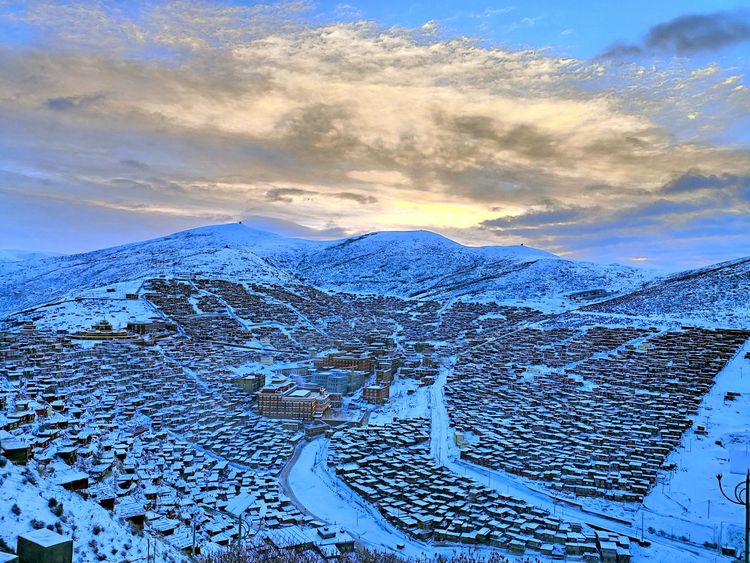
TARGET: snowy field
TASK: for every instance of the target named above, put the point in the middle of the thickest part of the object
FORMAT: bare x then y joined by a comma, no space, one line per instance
688,502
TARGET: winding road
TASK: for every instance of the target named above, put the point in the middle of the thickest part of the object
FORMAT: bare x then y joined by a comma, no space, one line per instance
318,492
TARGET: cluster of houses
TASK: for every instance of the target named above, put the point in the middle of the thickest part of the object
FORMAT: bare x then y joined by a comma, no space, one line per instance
131,430
174,434
390,467
165,431
588,413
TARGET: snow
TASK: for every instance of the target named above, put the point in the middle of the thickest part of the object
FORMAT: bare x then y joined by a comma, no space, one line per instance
682,512
689,502
716,296
414,263
11,255
93,529
446,453
328,498
45,537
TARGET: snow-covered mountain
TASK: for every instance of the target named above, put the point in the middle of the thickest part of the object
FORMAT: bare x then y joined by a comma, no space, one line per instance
718,294
13,255
409,264
228,251
425,264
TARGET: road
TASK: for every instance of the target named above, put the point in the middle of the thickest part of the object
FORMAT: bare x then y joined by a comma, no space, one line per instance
445,453
318,492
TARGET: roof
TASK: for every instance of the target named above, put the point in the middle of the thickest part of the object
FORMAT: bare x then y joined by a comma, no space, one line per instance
45,537
71,476
240,503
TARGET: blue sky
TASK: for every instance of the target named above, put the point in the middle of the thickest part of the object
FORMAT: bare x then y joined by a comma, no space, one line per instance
614,132
580,29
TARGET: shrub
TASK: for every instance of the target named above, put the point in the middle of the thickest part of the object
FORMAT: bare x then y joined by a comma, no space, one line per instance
37,524
5,547
15,509
29,477
263,553
97,529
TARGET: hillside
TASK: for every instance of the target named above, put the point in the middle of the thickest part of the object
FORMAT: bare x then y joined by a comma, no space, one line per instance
11,255
718,294
408,264
227,252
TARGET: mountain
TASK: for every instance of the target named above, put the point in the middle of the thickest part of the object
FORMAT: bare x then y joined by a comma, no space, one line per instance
425,264
718,294
12,255
407,264
228,251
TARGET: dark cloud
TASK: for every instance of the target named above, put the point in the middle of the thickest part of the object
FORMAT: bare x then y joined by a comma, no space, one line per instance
649,230
551,215
320,129
73,102
524,139
287,195
132,163
688,34
695,181
359,198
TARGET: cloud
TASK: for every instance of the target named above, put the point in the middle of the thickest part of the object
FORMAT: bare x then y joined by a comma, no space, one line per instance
550,214
288,195
73,102
358,198
694,181
208,109
685,222
688,35
285,195
132,163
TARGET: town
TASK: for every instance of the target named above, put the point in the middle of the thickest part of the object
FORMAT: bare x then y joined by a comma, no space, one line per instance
184,423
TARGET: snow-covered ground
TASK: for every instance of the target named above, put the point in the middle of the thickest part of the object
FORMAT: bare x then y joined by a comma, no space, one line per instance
687,504
667,520
395,263
82,313
97,535
402,404
688,501
328,498
446,453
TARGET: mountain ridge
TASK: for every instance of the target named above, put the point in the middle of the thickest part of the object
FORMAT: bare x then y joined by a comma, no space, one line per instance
409,264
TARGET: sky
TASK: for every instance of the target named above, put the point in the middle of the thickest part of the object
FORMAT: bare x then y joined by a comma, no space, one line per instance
611,132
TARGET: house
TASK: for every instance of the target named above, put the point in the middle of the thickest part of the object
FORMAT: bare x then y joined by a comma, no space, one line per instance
16,450
284,399
376,394
73,480
44,546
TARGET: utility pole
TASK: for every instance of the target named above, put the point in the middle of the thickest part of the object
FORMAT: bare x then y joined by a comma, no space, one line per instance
192,550
642,524
741,496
